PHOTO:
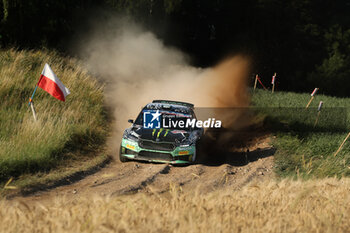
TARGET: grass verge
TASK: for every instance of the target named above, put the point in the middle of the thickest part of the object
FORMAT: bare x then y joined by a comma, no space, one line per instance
65,133
305,150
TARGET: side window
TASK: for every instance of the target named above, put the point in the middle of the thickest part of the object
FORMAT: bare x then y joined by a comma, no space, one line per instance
139,119
193,114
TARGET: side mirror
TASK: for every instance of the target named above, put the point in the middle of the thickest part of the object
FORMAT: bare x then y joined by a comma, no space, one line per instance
131,121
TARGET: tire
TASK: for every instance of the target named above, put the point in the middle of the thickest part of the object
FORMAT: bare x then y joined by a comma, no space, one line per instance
200,153
196,153
122,158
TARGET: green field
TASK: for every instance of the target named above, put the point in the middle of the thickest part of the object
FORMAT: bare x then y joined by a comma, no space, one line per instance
304,150
65,132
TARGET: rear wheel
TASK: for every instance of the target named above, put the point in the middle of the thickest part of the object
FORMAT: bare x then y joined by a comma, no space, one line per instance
195,155
199,152
122,158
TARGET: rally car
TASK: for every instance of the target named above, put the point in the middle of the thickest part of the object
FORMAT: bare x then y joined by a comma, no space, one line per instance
157,134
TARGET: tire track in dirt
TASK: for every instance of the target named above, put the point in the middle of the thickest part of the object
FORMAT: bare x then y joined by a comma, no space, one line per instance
234,171
143,183
114,179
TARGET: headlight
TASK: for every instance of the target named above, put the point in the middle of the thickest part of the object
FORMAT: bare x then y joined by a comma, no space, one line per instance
129,136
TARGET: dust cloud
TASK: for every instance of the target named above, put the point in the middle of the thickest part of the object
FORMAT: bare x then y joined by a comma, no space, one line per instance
137,68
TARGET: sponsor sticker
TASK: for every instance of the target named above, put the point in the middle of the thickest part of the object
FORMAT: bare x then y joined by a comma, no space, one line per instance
184,152
130,146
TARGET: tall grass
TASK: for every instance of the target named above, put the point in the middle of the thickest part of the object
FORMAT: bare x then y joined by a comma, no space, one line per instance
63,128
305,150
270,206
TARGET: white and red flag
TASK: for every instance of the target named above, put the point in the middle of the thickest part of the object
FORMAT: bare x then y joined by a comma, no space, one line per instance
50,83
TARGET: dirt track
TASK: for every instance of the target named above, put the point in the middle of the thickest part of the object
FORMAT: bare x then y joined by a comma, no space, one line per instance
235,170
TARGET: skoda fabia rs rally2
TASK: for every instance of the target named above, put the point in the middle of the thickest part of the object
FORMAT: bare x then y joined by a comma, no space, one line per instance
164,132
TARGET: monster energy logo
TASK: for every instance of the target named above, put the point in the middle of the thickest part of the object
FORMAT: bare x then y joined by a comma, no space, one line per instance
158,133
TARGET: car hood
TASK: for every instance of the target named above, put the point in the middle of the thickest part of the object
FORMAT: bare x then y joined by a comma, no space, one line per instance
163,135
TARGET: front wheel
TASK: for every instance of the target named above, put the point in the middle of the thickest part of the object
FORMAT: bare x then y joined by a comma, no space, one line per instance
122,158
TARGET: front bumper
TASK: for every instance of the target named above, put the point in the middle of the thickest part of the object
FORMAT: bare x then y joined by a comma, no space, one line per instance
180,155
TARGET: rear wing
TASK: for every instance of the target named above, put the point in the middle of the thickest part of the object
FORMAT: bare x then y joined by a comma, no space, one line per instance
173,102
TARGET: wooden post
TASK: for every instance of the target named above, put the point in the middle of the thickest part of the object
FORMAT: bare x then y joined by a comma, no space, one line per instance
8,186
257,77
318,116
340,147
256,80
308,104
318,112
273,82
33,109
312,97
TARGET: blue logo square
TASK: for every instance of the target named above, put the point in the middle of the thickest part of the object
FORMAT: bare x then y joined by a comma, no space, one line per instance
152,119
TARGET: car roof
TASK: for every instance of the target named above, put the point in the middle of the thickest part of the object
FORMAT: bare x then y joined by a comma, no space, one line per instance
172,102
170,107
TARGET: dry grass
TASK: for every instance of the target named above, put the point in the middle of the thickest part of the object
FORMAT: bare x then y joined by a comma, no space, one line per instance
63,129
285,206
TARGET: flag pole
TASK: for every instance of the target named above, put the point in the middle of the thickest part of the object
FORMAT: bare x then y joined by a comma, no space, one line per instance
33,110
31,98
31,103
36,87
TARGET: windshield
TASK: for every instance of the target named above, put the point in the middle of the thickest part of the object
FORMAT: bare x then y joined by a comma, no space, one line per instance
165,114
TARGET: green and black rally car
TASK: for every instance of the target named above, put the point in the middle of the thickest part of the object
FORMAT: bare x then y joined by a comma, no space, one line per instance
163,132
